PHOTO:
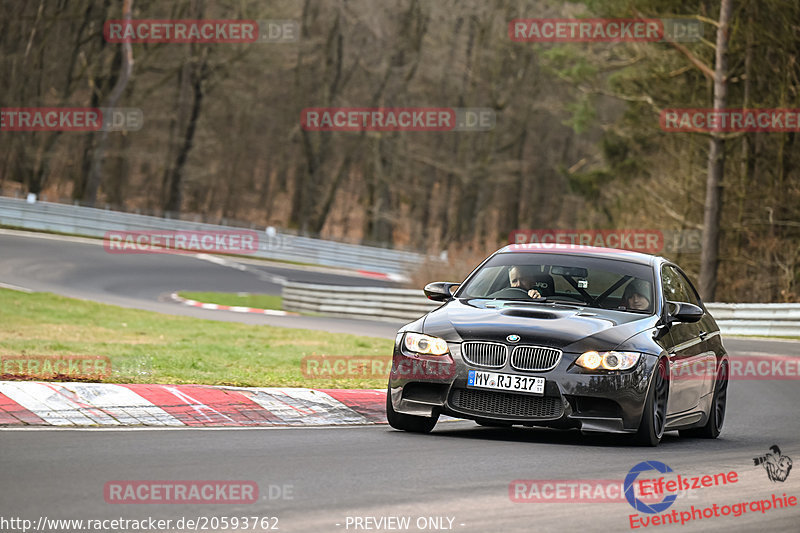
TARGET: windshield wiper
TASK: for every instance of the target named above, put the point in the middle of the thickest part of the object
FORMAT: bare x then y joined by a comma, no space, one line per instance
547,300
639,311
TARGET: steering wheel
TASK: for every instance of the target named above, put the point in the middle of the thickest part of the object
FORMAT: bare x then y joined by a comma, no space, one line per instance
510,292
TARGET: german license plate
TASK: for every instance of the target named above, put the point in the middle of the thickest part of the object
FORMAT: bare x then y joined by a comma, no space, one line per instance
507,382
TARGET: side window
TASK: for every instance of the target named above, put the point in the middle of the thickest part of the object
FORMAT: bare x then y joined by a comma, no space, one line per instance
676,287
673,286
691,294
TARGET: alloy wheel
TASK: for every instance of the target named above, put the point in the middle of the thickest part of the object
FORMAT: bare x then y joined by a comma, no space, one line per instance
660,399
721,396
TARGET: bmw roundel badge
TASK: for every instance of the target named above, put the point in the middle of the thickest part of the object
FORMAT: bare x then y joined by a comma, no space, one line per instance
513,338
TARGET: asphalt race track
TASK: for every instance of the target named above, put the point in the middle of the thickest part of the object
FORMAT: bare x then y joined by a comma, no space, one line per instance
82,269
460,470
458,476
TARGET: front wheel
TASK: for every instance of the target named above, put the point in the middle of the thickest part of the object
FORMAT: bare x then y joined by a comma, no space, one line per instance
654,418
716,416
412,423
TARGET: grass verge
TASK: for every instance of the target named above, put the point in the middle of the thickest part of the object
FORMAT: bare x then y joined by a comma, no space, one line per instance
148,347
242,299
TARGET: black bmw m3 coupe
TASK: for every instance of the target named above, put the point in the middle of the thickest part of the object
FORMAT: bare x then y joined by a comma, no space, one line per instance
564,336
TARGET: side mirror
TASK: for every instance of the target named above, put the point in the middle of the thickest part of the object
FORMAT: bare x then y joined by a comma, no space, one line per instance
440,291
684,312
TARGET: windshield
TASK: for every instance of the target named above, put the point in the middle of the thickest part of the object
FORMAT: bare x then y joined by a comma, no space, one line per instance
568,279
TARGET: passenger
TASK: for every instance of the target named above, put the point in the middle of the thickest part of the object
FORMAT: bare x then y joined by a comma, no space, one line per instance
637,295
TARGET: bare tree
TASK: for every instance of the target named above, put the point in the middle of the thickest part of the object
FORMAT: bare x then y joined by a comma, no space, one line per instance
709,259
96,173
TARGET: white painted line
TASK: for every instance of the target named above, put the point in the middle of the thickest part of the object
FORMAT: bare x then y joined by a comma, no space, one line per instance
52,236
197,406
187,428
264,276
220,261
14,287
235,309
762,339
273,312
381,425
263,261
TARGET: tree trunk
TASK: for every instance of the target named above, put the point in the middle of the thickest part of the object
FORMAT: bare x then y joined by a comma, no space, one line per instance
709,259
96,175
746,167
175,191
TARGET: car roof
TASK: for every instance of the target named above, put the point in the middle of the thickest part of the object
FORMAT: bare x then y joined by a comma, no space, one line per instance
589,251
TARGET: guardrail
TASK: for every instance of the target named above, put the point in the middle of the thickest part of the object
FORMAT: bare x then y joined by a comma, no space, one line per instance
361,302
375,303
369,303
770,320
93,222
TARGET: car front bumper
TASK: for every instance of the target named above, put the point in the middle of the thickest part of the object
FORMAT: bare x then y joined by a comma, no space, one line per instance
573,397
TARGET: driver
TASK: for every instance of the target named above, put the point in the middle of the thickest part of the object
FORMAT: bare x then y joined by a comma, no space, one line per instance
523,277
637,295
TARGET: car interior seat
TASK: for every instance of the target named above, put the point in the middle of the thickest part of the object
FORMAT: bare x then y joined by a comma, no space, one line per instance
544,284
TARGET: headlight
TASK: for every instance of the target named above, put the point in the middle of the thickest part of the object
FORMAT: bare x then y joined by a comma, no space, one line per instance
425,344
608,360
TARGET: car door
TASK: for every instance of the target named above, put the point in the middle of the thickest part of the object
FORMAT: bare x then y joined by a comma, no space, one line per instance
703,373
686,350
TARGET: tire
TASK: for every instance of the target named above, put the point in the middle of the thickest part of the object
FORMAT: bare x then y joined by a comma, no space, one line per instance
412,423
654,417
716,415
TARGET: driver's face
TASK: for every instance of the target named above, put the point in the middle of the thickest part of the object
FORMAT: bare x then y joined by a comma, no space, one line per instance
639,302
517,280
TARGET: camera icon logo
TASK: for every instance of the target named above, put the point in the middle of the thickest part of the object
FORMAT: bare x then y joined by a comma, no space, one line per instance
777,466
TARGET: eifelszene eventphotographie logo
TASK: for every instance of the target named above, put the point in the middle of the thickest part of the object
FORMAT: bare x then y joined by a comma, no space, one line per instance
777,466
630,480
